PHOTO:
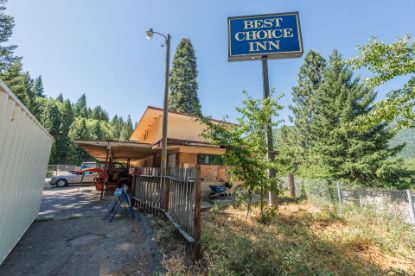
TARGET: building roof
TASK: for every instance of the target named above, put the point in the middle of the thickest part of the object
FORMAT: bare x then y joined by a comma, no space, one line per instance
119,150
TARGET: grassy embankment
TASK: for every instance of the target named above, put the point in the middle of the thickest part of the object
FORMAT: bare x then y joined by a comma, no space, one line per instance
299,240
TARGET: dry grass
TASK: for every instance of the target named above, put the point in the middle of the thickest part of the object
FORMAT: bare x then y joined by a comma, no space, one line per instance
299,240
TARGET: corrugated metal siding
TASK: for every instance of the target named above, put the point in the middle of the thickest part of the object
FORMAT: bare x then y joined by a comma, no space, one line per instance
24,153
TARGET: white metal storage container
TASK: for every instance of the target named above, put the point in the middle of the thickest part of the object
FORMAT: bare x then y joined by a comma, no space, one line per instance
24,153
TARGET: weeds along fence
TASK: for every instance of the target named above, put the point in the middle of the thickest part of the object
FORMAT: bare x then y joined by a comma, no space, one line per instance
384,202
176,195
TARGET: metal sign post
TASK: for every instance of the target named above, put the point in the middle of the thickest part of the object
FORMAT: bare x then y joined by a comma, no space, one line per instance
270,140
269,36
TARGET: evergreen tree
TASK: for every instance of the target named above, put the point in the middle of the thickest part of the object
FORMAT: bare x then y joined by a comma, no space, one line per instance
51,118
98,134
295,143
38,87
183,85
67,117
99,114
117,124
290,153
350,155
126,130
31,102
309,80
64,148
81,109
6,31
59,98
51,121
16,80
79,131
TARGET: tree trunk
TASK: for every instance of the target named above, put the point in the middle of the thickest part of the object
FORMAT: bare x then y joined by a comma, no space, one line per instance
291,184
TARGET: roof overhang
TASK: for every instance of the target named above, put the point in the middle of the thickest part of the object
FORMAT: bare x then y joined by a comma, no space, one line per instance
118,150
151,114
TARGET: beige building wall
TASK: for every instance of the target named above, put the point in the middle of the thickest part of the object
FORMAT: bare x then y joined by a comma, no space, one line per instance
178,128
185,129
187,160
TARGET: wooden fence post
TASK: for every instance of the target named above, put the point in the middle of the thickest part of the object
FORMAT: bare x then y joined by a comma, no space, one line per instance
165,183
197,217
133,181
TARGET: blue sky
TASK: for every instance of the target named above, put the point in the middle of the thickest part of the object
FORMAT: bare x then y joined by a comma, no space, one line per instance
99,47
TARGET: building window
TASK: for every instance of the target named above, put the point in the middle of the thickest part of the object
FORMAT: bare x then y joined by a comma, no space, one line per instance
209,159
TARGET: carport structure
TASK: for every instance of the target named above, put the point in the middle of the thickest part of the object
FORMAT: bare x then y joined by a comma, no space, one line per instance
110,151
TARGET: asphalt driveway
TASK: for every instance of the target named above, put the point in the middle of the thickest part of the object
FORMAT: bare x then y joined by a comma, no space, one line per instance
70,237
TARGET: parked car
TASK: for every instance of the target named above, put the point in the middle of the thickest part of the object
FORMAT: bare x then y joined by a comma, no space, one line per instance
73,178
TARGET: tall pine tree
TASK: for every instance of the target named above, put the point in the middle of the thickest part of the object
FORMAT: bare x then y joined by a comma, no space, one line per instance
98,133
81,108
183,84
52,122
355,157
6,30
309,80
16,80
79,130
295,142
63,142
31,100
59,98
126,130
38,87
98,113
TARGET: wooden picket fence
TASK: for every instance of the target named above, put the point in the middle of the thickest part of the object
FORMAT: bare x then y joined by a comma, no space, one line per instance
175,195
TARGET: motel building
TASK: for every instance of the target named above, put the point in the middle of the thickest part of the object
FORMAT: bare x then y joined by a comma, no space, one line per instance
186,146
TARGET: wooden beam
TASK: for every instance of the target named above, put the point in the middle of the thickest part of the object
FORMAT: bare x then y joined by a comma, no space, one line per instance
105,171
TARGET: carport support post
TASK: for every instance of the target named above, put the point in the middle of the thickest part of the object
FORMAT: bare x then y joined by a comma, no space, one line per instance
270,141
106,172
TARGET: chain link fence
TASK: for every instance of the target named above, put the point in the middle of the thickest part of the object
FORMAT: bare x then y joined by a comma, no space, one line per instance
386,202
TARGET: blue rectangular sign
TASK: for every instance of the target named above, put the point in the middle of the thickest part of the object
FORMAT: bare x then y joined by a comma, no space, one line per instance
272,35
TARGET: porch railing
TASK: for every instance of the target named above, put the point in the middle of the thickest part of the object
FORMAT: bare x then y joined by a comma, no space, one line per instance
175,195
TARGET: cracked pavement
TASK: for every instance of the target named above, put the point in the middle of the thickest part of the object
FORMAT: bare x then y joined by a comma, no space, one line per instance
70,237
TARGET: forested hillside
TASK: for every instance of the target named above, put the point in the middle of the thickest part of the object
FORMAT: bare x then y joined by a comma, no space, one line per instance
66,121
406,136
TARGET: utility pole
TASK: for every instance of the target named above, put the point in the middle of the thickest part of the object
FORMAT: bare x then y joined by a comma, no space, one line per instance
165,108
149,34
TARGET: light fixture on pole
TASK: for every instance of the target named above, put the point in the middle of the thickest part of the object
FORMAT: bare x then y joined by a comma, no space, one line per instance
150,34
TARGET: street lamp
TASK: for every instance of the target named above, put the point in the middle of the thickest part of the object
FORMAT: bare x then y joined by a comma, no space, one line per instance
149,34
